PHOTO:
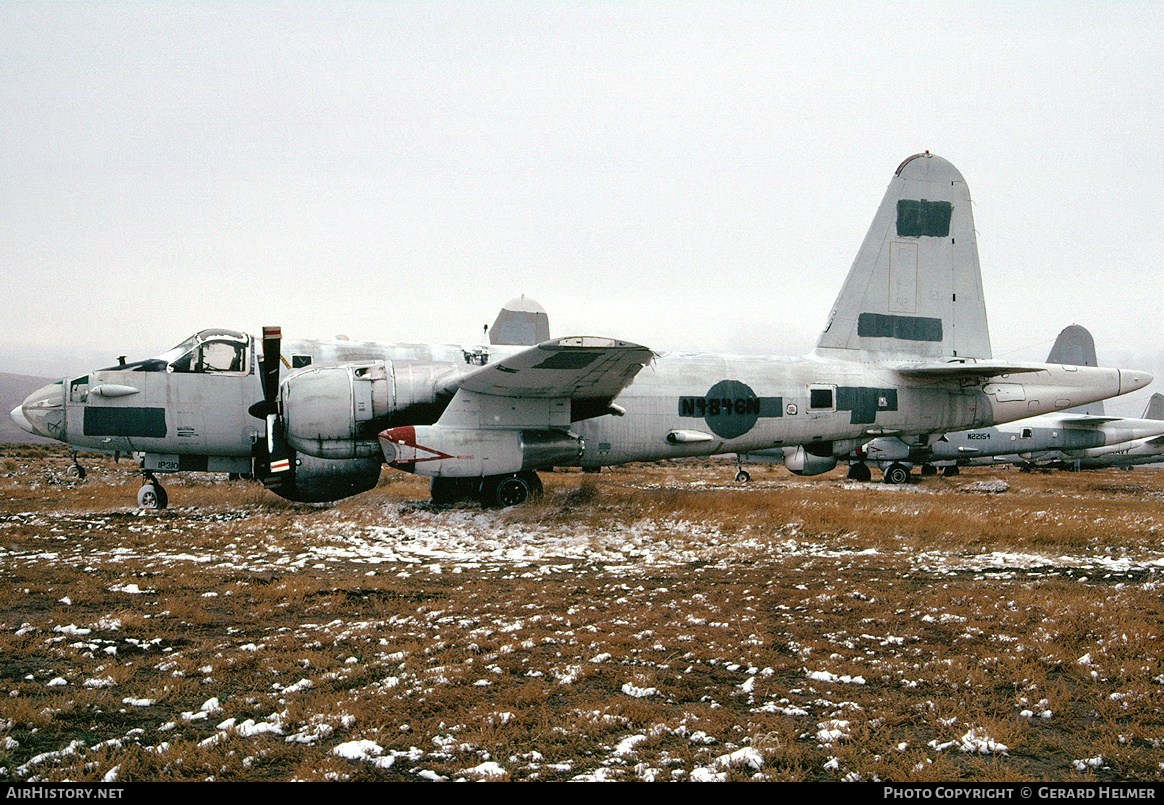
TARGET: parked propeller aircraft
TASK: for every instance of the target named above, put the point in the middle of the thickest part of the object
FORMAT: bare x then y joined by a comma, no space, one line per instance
1058,438
905,352
1144,446
1131,453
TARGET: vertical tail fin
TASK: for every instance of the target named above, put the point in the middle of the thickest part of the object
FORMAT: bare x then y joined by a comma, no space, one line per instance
1155,409
521,322
1076,347
915,290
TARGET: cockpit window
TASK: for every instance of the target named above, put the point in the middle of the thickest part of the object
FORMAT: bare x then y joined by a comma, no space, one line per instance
215,356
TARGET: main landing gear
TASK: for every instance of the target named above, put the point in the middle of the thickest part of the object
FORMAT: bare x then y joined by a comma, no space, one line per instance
493,492
859,471
896,473
152,494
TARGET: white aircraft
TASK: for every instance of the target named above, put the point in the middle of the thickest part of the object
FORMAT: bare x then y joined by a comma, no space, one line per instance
1059,439
1127,454
1145,445
905,352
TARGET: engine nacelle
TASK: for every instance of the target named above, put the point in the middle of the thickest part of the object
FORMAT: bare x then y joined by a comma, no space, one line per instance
476,452
801,462
335,412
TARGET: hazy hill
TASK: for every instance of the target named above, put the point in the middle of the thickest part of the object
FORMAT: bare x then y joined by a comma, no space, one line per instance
13,390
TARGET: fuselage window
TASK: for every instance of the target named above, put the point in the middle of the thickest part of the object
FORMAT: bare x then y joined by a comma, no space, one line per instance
820,398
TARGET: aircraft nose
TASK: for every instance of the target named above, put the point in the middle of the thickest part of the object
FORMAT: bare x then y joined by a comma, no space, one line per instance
43,412
1131,381
20,420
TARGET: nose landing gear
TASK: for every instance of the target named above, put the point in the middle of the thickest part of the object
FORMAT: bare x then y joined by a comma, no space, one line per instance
152,494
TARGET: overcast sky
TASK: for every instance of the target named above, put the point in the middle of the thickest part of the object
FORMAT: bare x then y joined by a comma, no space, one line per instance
690,176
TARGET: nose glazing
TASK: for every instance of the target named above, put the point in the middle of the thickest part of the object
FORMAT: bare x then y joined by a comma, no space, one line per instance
43,412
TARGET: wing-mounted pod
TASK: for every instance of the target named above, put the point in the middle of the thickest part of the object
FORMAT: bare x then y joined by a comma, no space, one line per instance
471,453
800,461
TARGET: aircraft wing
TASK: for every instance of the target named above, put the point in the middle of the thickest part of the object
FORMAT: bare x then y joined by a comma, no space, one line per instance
952,370
579,366
1082,420
547,386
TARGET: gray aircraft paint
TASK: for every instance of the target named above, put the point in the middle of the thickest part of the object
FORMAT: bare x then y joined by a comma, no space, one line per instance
1078,434
905,351
1131,451
930,273
1075,346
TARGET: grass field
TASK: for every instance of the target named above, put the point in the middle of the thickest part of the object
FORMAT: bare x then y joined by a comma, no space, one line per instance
656,622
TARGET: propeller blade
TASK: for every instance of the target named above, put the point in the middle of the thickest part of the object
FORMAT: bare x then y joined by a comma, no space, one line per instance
269,374
272,341
277,458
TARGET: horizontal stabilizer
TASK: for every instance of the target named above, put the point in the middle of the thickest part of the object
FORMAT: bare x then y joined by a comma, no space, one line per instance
1082,420
950,370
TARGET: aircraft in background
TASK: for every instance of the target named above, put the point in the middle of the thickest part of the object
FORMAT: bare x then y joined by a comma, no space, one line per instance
905,352
1144,445
1127,454
1046,440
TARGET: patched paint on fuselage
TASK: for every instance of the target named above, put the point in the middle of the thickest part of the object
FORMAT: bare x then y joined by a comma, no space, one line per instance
673,395
177,413
170,413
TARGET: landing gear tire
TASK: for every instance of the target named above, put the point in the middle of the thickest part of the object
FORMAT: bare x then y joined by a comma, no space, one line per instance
76,472
510,490
859,472
950,471
742,477
897,474
152,496
929,469
450,491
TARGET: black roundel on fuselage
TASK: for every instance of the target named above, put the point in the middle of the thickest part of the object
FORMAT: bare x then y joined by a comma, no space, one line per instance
730,408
